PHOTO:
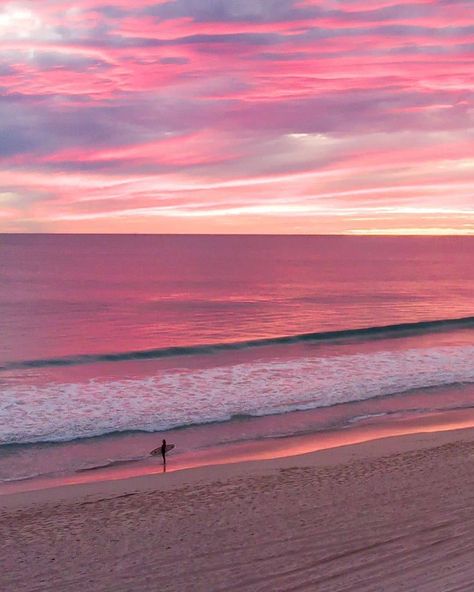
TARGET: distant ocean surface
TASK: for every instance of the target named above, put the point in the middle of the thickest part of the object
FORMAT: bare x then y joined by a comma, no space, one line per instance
108,337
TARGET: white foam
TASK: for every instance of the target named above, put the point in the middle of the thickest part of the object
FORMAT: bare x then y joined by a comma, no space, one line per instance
56,412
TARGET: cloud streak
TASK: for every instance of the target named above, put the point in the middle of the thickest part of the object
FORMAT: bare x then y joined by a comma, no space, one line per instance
312,116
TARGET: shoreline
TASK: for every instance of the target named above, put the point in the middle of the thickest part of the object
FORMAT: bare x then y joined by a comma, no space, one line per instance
256,438
251,457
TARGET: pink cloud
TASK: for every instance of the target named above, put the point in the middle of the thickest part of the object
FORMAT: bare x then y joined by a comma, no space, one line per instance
213,115
198,148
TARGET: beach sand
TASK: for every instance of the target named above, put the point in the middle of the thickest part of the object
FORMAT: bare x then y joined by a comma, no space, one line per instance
393,514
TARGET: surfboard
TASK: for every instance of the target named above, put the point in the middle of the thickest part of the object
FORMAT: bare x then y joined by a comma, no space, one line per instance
158,450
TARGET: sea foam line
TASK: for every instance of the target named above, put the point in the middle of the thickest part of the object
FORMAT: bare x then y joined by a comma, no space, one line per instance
183,397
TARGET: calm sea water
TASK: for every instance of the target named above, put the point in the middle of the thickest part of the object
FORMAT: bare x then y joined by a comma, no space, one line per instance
135,334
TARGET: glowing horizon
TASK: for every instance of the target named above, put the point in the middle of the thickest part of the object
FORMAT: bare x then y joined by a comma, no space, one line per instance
237,116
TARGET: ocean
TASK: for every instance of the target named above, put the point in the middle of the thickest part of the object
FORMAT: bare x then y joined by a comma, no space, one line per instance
111,342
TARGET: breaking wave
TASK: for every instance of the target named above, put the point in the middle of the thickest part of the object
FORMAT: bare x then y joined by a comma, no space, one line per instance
376,332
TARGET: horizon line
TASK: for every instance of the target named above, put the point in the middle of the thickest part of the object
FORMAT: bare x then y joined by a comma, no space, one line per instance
341,234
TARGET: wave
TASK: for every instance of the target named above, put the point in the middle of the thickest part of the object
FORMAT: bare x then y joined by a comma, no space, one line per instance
345,422
375,332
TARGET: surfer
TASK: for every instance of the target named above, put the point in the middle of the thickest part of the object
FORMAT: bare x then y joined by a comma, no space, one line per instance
163,451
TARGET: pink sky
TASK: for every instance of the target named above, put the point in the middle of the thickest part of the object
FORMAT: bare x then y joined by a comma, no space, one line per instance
237,116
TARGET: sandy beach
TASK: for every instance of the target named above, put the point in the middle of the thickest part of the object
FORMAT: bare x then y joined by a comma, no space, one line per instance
390,514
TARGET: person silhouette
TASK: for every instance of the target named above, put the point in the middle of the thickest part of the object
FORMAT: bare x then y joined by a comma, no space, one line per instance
163,451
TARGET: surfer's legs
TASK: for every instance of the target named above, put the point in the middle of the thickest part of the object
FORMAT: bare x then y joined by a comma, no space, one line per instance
164,457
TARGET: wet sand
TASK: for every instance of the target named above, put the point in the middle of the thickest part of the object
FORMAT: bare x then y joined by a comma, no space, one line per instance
390,514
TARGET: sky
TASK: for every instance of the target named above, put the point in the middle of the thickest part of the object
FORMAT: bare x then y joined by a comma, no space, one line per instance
237,116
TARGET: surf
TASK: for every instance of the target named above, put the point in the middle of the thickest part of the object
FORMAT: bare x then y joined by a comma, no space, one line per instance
178,397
